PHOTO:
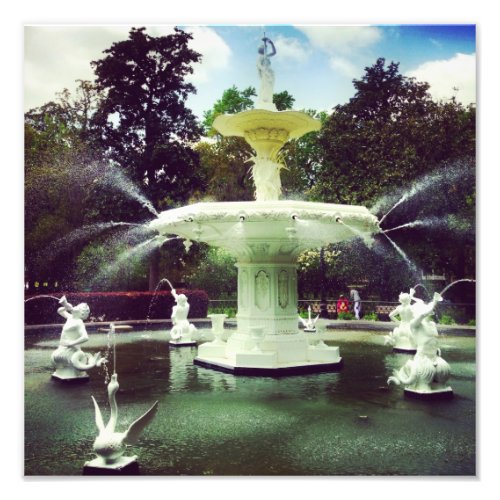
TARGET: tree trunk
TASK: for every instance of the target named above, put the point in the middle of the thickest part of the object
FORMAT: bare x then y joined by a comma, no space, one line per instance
154,270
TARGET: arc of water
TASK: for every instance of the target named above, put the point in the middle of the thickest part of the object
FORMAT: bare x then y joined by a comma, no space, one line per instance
154,296
41,297
401,200
447,287
400,251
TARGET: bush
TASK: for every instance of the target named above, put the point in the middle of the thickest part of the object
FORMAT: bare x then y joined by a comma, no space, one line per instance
230,312
446,319
371,316
346,315
115,306
471,322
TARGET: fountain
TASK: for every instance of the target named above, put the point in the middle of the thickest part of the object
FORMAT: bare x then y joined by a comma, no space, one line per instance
426,375
70,361
267,245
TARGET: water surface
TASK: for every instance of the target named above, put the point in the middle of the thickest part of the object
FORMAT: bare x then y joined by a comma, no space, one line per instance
212,423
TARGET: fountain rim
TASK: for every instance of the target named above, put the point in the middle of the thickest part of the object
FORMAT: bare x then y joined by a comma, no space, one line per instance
234,211
296,123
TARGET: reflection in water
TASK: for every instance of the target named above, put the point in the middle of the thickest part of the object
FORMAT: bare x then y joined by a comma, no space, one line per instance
211,422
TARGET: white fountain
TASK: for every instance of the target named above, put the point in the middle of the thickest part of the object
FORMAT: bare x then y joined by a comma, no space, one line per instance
70,361
266,236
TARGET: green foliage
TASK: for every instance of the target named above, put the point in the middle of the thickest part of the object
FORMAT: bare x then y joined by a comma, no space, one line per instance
230,312
303,158
215,273
371,316
346,315
446,319
232,101
283,100
471,322
58,180
224,170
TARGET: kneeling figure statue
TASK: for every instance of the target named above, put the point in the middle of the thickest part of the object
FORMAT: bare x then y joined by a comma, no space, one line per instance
70,361
182,331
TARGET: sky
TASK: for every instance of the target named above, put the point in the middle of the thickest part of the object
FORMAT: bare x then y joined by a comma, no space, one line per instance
315,64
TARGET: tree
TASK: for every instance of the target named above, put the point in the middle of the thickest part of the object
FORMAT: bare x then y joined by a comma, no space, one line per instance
58,149
144,121
232,101
392,141
389,133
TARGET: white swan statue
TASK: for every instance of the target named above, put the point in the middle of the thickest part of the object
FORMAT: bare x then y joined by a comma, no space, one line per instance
109,444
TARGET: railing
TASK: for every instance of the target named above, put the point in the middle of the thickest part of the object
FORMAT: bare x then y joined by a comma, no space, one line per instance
460,313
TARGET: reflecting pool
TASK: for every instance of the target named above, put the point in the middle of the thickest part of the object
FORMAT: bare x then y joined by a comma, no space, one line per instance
213,423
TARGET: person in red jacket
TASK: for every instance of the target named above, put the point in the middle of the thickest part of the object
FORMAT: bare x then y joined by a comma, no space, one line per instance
342,304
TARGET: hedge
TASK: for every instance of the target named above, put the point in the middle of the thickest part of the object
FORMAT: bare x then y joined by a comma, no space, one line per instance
116,306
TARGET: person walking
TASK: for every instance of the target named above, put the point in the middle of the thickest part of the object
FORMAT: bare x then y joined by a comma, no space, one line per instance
356,299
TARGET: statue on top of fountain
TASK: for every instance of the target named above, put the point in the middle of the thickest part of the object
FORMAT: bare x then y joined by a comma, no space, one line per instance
266,75
182,330
70,361
427,373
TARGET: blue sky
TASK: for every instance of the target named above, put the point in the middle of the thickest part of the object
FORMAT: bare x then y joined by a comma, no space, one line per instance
316,64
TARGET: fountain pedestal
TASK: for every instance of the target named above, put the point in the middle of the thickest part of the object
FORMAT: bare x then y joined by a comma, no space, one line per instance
124,466
268,340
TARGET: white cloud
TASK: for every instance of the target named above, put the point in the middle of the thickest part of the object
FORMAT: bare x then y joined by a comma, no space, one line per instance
444,75
56,56
215,52
344,66
291,49
341,39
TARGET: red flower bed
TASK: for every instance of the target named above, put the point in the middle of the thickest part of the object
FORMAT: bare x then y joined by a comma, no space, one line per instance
115,306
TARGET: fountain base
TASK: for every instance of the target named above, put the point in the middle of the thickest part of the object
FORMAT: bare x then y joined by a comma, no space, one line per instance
271,355
446,393
224,365
124,466
70,376
404,350
185,343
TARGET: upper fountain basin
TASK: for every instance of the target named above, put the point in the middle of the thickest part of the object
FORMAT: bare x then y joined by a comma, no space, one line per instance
294,123
256,230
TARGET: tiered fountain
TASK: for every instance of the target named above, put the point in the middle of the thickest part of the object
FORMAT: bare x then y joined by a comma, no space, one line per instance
266,236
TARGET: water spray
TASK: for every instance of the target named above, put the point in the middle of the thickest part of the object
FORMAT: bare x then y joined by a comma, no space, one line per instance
447,287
